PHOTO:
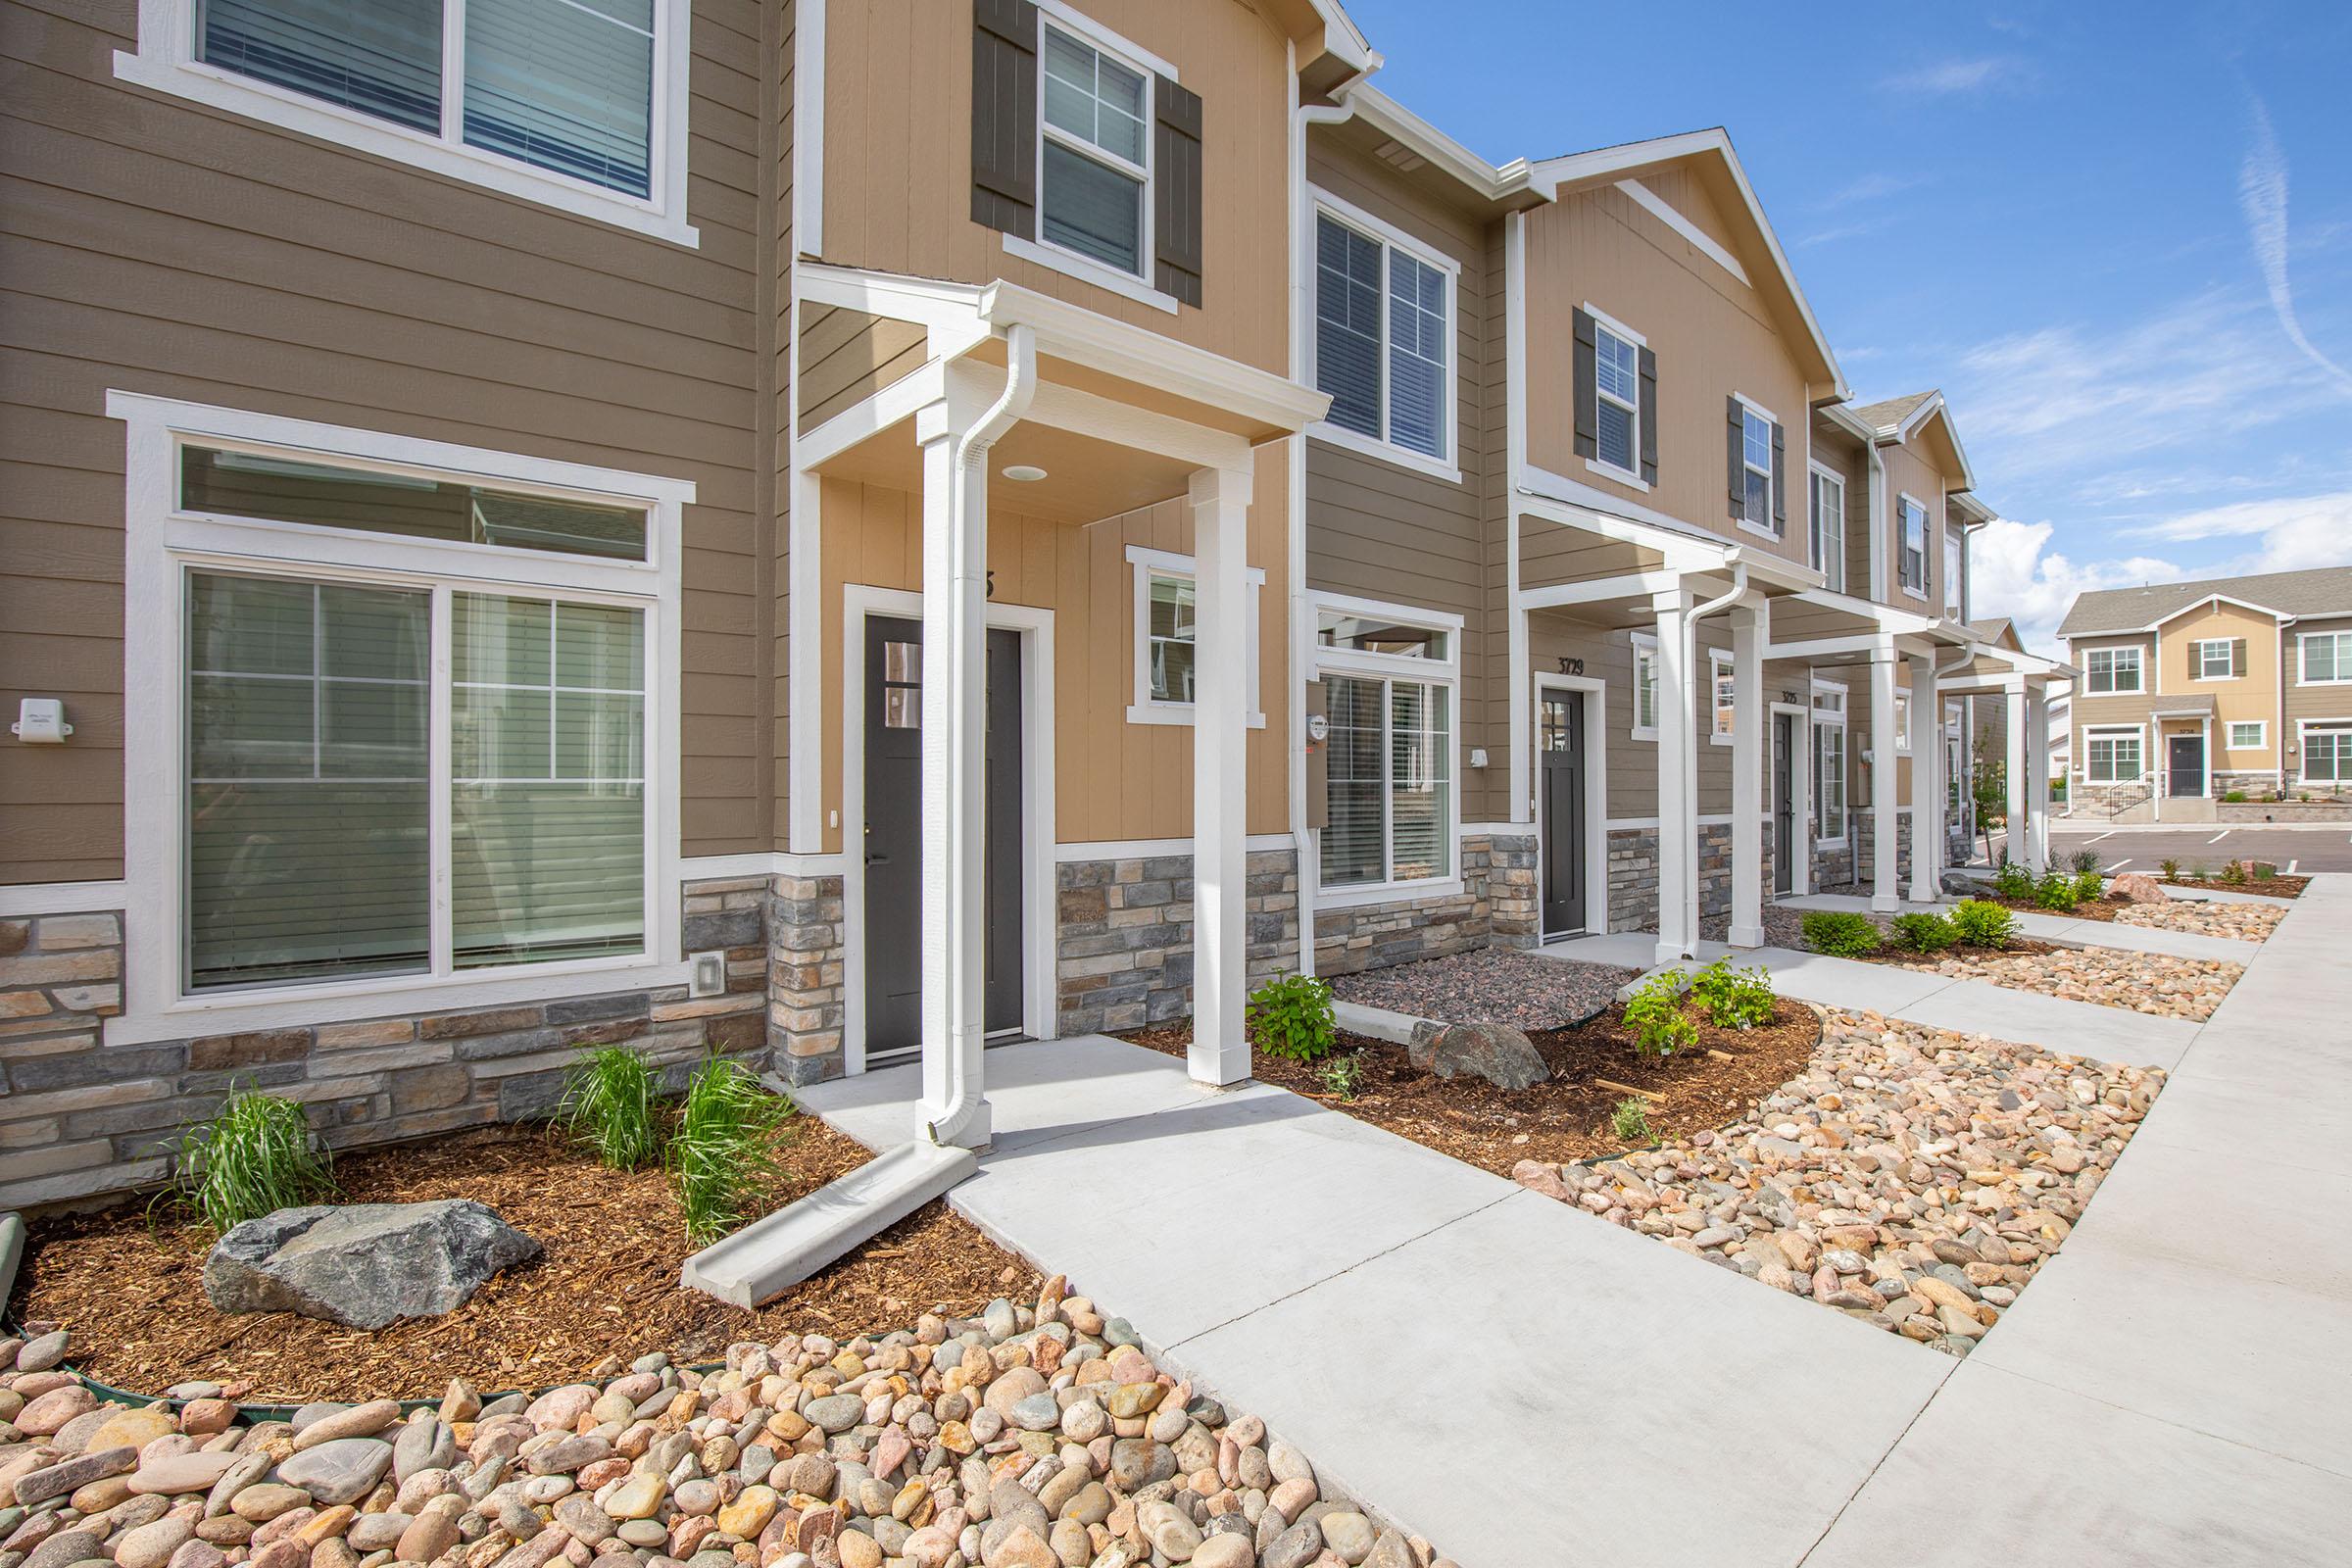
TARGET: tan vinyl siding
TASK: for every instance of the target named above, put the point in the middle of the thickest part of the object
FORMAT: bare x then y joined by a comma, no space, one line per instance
2250,699
1909,473
2095,711
898,161
157,247
773,445
1712,335
1844,457
848,356
1633,764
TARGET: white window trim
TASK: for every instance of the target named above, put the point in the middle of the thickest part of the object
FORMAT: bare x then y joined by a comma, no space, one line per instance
1646,647
2196,657
2262,734
1136,286
1902,537
1448,465
1903,722
1719,663
1818,722
1445,672
2138,653
166,62
2303,659
1148,708
2139,732
1955,582
163,541
2303,729
1628,478
1767,529
1821,471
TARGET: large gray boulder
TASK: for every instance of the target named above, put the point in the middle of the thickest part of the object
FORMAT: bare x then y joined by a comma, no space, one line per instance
363,1264
1496,1053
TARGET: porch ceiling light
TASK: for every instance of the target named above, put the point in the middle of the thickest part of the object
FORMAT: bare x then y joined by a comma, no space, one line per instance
1022,472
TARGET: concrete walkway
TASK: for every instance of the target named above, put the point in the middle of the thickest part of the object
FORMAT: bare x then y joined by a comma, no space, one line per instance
2066,930
1527,1386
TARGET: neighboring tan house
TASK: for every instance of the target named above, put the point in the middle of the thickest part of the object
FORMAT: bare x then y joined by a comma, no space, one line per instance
2192,691
841,531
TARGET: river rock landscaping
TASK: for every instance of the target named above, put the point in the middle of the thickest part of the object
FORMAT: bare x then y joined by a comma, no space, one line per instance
2238,922
1029,1435
2156,984
1912,1178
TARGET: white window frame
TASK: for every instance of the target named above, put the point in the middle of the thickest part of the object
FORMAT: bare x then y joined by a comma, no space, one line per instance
1136,286
1447,466
1906,504
1720,668
2140,669
1822,720
2344,648
2303,733
2094,733
1148,708
1604,322
162,542
1446,672
1955,572
1903,722
1645,678
2197,663
1830,566
165,61
1955,753
1769,528
2262,734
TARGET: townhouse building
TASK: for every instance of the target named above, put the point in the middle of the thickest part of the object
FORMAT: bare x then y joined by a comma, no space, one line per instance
840,531
2192,691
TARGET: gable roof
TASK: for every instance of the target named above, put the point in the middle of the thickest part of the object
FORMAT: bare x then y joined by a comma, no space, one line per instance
1711,150
1898,419
2000,631
1887,418
2322,591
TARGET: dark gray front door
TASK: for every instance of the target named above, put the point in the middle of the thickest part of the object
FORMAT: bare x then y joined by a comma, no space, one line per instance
1784,803
1560,757
894,841
2184,764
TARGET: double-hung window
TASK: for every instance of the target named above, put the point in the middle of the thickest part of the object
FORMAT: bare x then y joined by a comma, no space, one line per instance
1645,686
2113,756
1954,552
579,104
1384,335
1617,401
2247,735
1094,159
1726,690
2216,659
1902,722
2112,672
2326,658
1389,678
1166,631
1755,465
2328,754
399,718
1829,762
1829,528
1912,563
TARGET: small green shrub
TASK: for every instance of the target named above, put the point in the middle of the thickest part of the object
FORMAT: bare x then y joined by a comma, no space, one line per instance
1924,933
609,1105
723,1152
2170,867
2235,872
1654,1014
1629,1121
1983,926
253,1158
1343,1076
2090,887
2013,881
1290,1016
2264,870
2056,891
2234,797
1734,998
1841,935
2084,861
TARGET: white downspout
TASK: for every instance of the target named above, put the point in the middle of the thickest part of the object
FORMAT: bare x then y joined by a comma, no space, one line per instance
1689,892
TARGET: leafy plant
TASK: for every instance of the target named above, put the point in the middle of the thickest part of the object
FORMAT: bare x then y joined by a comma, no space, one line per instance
723,1151
2084,861
2264,870
2013,881
1290,1016
1629,1121
2090,887
1654,1014
2170,867
1343,1076
609,1105
2235,872
2056,891
253,1158
1924,933
1983,926
1839,934
2234,797
1734,998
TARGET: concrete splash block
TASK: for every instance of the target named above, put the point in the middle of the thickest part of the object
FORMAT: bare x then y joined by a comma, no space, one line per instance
771,1255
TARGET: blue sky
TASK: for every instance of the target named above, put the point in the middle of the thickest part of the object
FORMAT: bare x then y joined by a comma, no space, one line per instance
2118,235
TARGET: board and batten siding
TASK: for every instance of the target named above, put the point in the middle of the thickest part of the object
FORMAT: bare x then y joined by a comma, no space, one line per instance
1382,531
160,247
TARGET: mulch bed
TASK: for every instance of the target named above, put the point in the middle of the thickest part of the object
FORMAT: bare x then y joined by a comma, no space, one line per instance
606,1292
1567,1118
2269,887
1489,984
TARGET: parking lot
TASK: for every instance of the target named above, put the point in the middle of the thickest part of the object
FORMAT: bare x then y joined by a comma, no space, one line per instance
2320,847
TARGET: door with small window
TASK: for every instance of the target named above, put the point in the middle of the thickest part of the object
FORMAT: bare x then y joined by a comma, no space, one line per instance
1561,760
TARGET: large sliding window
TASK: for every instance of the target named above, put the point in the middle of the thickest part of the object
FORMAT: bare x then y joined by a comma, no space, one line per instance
1388,688
2328,752
2114,756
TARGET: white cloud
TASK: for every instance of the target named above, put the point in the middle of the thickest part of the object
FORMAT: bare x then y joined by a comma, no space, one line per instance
1868,189
2017,574
2287,534
1954,76
2261,197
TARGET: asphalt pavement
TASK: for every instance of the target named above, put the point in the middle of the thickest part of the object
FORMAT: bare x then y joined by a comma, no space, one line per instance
2317,847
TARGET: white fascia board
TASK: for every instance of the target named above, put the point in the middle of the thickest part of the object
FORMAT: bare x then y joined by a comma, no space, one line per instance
1491,181
1556,497
927,302
1344,40
1887,618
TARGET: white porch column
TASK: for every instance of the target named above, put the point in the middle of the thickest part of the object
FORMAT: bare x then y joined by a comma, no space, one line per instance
1749,713
1220,1049
1886,815
953,1109
1678,812
2037,769
1927,781
2013,703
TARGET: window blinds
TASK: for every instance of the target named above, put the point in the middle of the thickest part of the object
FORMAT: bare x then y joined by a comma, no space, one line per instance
380,57
564,84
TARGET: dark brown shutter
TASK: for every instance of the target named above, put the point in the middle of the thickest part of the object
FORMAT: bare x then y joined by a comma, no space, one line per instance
1005,115
1176,190
2237,657
1737,449
1780,480
1649,417
1587,389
